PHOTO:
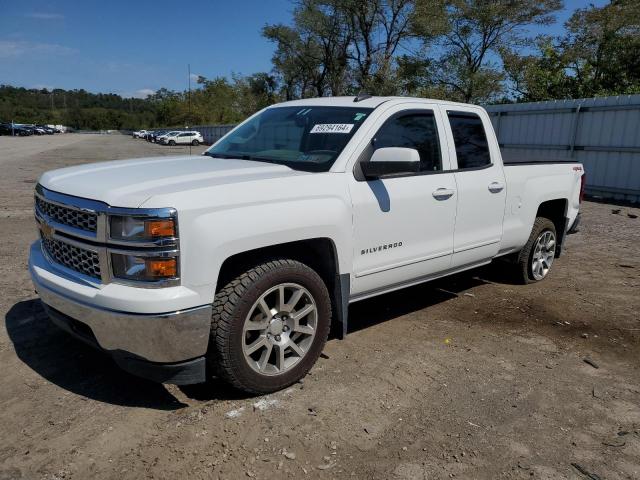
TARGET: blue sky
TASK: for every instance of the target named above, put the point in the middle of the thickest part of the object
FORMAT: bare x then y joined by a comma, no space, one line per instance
135,47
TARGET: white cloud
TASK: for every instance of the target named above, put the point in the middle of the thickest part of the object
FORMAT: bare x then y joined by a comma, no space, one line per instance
143,93
18,48
194,77
45,16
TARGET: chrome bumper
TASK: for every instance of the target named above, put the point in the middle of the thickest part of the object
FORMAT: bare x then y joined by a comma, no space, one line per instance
162,338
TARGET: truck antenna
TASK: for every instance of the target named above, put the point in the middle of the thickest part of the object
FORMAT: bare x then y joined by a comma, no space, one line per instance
361,96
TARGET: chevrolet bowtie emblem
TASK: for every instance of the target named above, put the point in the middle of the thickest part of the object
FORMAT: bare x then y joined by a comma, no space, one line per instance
47,230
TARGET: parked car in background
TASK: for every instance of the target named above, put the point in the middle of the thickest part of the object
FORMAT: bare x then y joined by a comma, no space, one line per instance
31,129
183,138
23,130
35,130
46,130
237,263
160,138
153,137
149,136
139,134
20,130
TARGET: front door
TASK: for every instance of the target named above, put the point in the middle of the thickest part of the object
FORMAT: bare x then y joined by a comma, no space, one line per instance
403,226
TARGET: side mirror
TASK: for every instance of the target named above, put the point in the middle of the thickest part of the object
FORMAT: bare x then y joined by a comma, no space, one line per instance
390,161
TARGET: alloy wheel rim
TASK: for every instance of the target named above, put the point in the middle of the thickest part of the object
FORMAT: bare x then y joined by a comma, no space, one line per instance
279,330
543,254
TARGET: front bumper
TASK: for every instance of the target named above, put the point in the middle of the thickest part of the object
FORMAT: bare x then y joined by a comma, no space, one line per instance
167,347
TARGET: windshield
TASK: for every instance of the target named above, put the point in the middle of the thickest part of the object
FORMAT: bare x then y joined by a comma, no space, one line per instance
309,138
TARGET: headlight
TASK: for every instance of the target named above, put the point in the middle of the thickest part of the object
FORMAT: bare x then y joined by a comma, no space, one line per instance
148,251
141,229
143,268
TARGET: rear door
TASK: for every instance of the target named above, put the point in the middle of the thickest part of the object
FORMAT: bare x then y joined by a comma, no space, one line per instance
184,138
403,226
481,186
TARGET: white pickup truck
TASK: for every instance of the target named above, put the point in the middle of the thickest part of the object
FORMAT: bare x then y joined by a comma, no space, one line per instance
237,263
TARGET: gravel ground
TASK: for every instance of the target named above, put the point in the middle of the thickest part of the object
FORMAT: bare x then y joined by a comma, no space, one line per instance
467,377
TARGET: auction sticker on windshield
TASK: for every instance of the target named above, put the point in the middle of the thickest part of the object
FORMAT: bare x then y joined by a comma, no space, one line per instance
332,128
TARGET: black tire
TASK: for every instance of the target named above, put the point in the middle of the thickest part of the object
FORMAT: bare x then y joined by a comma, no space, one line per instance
232,305
172,143
524,260
195,143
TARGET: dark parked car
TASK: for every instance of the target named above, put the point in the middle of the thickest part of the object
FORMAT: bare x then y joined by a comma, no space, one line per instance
153,136
47,130
17,130
32,129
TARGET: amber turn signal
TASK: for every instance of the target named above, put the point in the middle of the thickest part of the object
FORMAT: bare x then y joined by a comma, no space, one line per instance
161,267
159,228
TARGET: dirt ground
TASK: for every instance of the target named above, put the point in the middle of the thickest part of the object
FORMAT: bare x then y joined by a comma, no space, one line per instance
467,377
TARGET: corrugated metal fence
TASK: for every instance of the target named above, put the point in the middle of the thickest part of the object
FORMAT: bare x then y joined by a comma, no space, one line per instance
602,133
212,133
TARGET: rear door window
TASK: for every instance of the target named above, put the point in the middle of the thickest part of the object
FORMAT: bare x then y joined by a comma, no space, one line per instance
472,147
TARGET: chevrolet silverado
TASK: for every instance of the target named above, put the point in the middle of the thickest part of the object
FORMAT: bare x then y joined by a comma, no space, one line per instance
238,262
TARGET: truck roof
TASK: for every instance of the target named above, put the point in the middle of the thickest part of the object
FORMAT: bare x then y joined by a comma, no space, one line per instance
349,101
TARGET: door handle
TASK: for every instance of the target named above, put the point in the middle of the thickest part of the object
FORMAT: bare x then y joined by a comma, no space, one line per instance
496,187
443,193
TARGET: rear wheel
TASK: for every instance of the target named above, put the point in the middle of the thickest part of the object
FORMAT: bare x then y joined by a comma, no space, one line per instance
536,258
195,143
269,326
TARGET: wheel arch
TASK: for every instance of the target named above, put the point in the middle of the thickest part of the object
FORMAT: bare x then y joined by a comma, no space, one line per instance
318,253
556,211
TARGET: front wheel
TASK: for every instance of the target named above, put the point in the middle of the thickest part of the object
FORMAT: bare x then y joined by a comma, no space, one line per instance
172,143
536,258
269,326
195,143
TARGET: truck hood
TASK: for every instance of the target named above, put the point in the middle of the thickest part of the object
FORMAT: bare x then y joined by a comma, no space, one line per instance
128,183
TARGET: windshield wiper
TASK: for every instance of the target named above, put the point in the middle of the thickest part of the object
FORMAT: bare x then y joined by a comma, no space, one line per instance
243,156
218,155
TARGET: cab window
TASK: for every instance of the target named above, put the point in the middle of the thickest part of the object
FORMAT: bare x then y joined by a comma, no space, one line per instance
413,130
472,148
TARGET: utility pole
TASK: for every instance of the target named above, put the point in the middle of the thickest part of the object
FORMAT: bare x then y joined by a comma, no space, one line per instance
189,96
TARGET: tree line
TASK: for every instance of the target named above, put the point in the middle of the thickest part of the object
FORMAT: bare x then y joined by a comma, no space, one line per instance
478,51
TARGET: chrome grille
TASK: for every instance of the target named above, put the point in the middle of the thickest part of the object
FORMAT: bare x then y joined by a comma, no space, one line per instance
68,216
70,256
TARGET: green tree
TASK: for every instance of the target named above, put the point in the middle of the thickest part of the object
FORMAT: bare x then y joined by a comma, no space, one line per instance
295,60
599,54
377,29
468,67
336,47
311,55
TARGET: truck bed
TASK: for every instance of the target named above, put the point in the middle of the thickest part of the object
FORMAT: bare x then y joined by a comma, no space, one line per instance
531,184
